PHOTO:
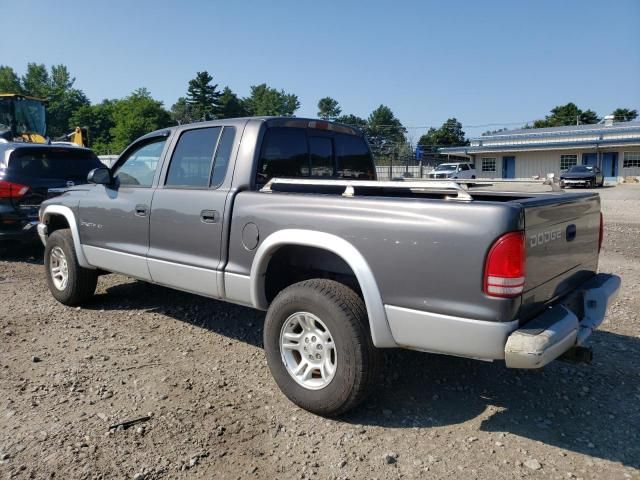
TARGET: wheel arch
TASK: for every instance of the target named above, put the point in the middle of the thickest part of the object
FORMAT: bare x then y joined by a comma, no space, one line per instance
379,326
60,212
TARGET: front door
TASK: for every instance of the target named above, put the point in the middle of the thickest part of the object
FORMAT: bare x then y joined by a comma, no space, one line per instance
114,219
508,167
590,159
610,164
187,211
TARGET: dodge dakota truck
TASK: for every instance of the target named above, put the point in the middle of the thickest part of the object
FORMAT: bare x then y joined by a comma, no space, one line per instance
285,215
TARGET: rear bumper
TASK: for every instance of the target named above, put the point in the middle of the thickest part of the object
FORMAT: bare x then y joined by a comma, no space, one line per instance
540,341
25,233
559,328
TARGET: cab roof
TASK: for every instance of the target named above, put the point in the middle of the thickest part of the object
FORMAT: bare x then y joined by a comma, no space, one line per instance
19,95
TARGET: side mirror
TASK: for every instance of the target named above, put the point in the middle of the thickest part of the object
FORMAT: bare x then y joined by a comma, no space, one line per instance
101,176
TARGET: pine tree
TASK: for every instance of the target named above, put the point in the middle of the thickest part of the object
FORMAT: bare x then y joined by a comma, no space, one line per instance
203,97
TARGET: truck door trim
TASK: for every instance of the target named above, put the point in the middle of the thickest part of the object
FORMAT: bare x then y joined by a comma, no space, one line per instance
380,331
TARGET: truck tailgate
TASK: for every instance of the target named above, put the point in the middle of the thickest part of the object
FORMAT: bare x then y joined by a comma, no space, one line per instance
562,237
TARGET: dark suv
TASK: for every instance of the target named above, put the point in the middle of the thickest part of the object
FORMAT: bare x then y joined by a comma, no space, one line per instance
31,173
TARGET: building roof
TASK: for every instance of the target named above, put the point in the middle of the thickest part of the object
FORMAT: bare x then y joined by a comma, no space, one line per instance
565,129
573,136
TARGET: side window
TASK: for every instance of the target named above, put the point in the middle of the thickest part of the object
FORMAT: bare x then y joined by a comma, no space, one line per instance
283,154
192,158
223,154
353,157
321,155
464,167
140,166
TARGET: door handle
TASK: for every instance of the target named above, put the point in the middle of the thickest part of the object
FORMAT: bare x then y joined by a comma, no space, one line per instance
142,210
209,216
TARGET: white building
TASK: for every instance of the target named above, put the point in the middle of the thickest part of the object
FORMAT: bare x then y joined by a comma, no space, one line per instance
527,153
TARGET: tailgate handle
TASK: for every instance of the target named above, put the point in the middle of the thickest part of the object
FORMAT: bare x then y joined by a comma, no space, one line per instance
571,232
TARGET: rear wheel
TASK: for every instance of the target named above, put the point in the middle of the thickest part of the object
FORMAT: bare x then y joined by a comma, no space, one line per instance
68,282
318,346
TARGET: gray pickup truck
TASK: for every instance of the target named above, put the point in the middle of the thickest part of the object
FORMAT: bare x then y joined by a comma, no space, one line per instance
285,215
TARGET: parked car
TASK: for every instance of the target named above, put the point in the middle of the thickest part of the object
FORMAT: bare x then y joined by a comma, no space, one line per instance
31,173
285,215
454,170
582,175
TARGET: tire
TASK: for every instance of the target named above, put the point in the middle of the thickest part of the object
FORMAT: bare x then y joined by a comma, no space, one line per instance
80,284
357,363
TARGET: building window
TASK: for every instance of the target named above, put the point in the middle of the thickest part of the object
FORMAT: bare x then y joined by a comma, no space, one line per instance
568,161
489,164
631,160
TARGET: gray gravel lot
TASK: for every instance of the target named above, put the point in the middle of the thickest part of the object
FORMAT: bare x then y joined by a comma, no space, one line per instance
196,367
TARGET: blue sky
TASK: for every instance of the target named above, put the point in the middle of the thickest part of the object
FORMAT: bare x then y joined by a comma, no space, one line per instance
480,61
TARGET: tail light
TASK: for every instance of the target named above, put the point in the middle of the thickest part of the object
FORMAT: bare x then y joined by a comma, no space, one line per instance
601,235
12,190
504,270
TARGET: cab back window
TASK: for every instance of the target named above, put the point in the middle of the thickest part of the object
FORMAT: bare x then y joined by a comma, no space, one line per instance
300,152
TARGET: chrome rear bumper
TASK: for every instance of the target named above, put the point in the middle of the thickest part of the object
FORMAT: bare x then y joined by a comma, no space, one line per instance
558,329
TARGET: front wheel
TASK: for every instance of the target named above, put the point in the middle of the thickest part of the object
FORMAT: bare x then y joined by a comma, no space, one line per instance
68,282
318,346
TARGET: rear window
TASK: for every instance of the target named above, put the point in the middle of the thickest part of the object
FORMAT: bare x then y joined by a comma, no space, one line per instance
58,163
300,153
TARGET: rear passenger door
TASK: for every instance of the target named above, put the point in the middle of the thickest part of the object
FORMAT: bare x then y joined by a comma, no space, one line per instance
188,209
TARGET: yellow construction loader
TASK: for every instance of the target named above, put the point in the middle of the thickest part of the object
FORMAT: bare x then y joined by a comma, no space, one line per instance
23,119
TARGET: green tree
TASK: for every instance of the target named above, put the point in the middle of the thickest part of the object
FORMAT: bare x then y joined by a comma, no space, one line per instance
203,97
230,106
328,108
568,114
135,115
36,80
493,132
9,80
265,100
384,131
353,121
450,134
98,119
64,100
624,114
588,117
181,112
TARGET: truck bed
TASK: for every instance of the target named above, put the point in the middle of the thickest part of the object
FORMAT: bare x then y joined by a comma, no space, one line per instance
567,225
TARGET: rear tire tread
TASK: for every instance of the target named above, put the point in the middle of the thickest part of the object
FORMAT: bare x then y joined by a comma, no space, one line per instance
354,316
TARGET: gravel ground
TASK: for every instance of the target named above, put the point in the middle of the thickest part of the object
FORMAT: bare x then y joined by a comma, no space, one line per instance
197,369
